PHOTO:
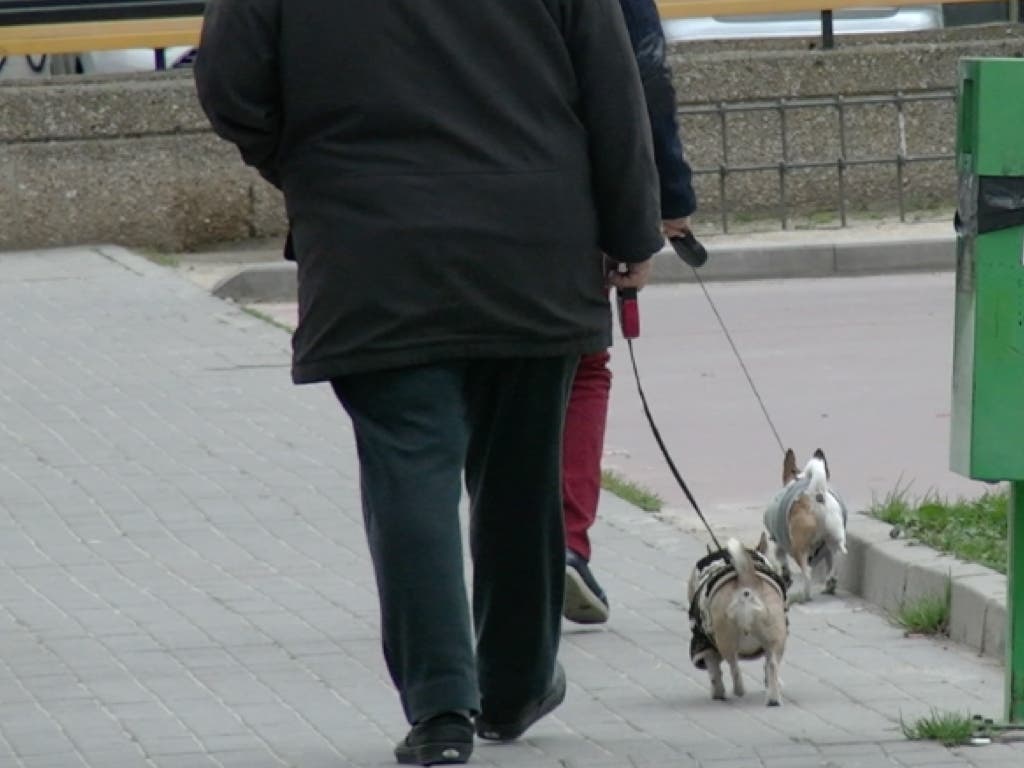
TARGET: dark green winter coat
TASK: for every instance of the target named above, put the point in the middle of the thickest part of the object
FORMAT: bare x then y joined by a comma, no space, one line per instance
451,169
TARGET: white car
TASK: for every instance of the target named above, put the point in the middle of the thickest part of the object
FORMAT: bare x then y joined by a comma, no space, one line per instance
850,21
136,60
95,62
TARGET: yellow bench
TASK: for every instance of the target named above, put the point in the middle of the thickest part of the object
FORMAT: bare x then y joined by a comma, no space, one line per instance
33,39
77,37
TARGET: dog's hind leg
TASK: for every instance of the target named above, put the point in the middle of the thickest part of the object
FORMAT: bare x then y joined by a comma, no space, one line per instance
804,593
803,526
771,679
782,561
805,569
714,663
832,580
737,676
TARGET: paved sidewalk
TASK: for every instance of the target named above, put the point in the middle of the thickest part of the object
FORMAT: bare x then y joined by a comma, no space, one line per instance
184,581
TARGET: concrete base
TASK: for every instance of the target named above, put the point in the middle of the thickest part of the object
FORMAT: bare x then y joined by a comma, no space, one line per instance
891,573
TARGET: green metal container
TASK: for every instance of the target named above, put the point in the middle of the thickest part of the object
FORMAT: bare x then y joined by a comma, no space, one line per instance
987,437
988,383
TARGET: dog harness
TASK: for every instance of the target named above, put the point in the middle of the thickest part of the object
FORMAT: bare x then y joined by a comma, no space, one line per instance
776,514
713,571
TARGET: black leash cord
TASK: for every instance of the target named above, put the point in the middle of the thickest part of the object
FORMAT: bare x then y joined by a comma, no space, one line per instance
664,450
692,252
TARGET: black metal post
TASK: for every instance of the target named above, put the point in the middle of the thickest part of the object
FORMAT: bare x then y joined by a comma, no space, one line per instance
827,37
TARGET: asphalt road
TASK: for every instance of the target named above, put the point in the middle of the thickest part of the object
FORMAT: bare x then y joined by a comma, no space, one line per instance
860,367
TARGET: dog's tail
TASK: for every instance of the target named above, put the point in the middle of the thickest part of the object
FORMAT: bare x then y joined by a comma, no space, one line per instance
746,604
817,470
818,488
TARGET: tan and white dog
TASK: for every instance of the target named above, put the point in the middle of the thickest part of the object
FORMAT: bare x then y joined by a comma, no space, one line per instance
807,521
738,612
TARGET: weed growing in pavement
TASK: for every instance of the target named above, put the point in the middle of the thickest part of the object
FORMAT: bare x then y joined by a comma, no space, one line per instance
627,490
974,530
948,728
928,615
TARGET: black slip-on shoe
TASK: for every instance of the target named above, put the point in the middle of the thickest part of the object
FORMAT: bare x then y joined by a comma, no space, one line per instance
446,739
511,728
585,602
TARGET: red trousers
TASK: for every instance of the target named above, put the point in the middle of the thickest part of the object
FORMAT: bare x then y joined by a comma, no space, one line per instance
582,448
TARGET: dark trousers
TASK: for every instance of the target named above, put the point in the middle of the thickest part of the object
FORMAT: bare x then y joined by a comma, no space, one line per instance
417,430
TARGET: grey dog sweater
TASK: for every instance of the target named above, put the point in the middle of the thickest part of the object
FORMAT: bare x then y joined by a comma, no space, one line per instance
775,515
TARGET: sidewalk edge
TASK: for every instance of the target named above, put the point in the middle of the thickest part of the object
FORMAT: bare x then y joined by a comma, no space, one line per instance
276,281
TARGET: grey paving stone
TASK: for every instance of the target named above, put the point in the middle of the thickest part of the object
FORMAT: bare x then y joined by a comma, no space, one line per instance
49,761
248,758
183,574
194,760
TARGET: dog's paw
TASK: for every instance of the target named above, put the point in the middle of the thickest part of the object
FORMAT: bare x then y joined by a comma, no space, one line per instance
773,701
830,585
718,693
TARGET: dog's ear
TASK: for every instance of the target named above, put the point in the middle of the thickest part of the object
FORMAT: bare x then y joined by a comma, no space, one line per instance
820,454
789,470
762,544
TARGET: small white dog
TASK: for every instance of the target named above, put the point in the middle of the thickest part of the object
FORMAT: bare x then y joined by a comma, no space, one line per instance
738,612
807,521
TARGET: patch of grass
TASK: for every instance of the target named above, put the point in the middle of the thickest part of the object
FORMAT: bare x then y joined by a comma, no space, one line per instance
264,317
162,258
627,490
948,728
974,530
823,217
928,615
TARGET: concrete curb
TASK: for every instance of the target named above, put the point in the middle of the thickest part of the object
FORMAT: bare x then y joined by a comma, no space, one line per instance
275,281
253,283
754,261
890,573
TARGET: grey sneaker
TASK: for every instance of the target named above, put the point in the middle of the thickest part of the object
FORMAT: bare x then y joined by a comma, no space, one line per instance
585,601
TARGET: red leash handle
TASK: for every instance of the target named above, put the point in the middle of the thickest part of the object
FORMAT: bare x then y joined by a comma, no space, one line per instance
629,312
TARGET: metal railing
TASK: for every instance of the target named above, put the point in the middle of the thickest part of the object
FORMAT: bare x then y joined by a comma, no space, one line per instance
785,167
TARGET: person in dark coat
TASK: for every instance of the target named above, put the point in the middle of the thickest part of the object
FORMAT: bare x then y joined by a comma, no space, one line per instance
585,600
455,176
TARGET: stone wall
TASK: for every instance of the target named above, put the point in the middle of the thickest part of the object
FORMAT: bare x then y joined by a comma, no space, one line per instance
132,161
127,161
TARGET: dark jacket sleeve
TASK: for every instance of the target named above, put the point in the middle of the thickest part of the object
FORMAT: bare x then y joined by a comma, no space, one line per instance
236,74
648,39
612,110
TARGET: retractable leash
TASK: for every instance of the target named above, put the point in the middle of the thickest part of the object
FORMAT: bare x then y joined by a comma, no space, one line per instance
629,321
690,250
695,255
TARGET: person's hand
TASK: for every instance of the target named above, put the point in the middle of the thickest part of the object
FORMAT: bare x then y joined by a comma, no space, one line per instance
634,275
675,227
